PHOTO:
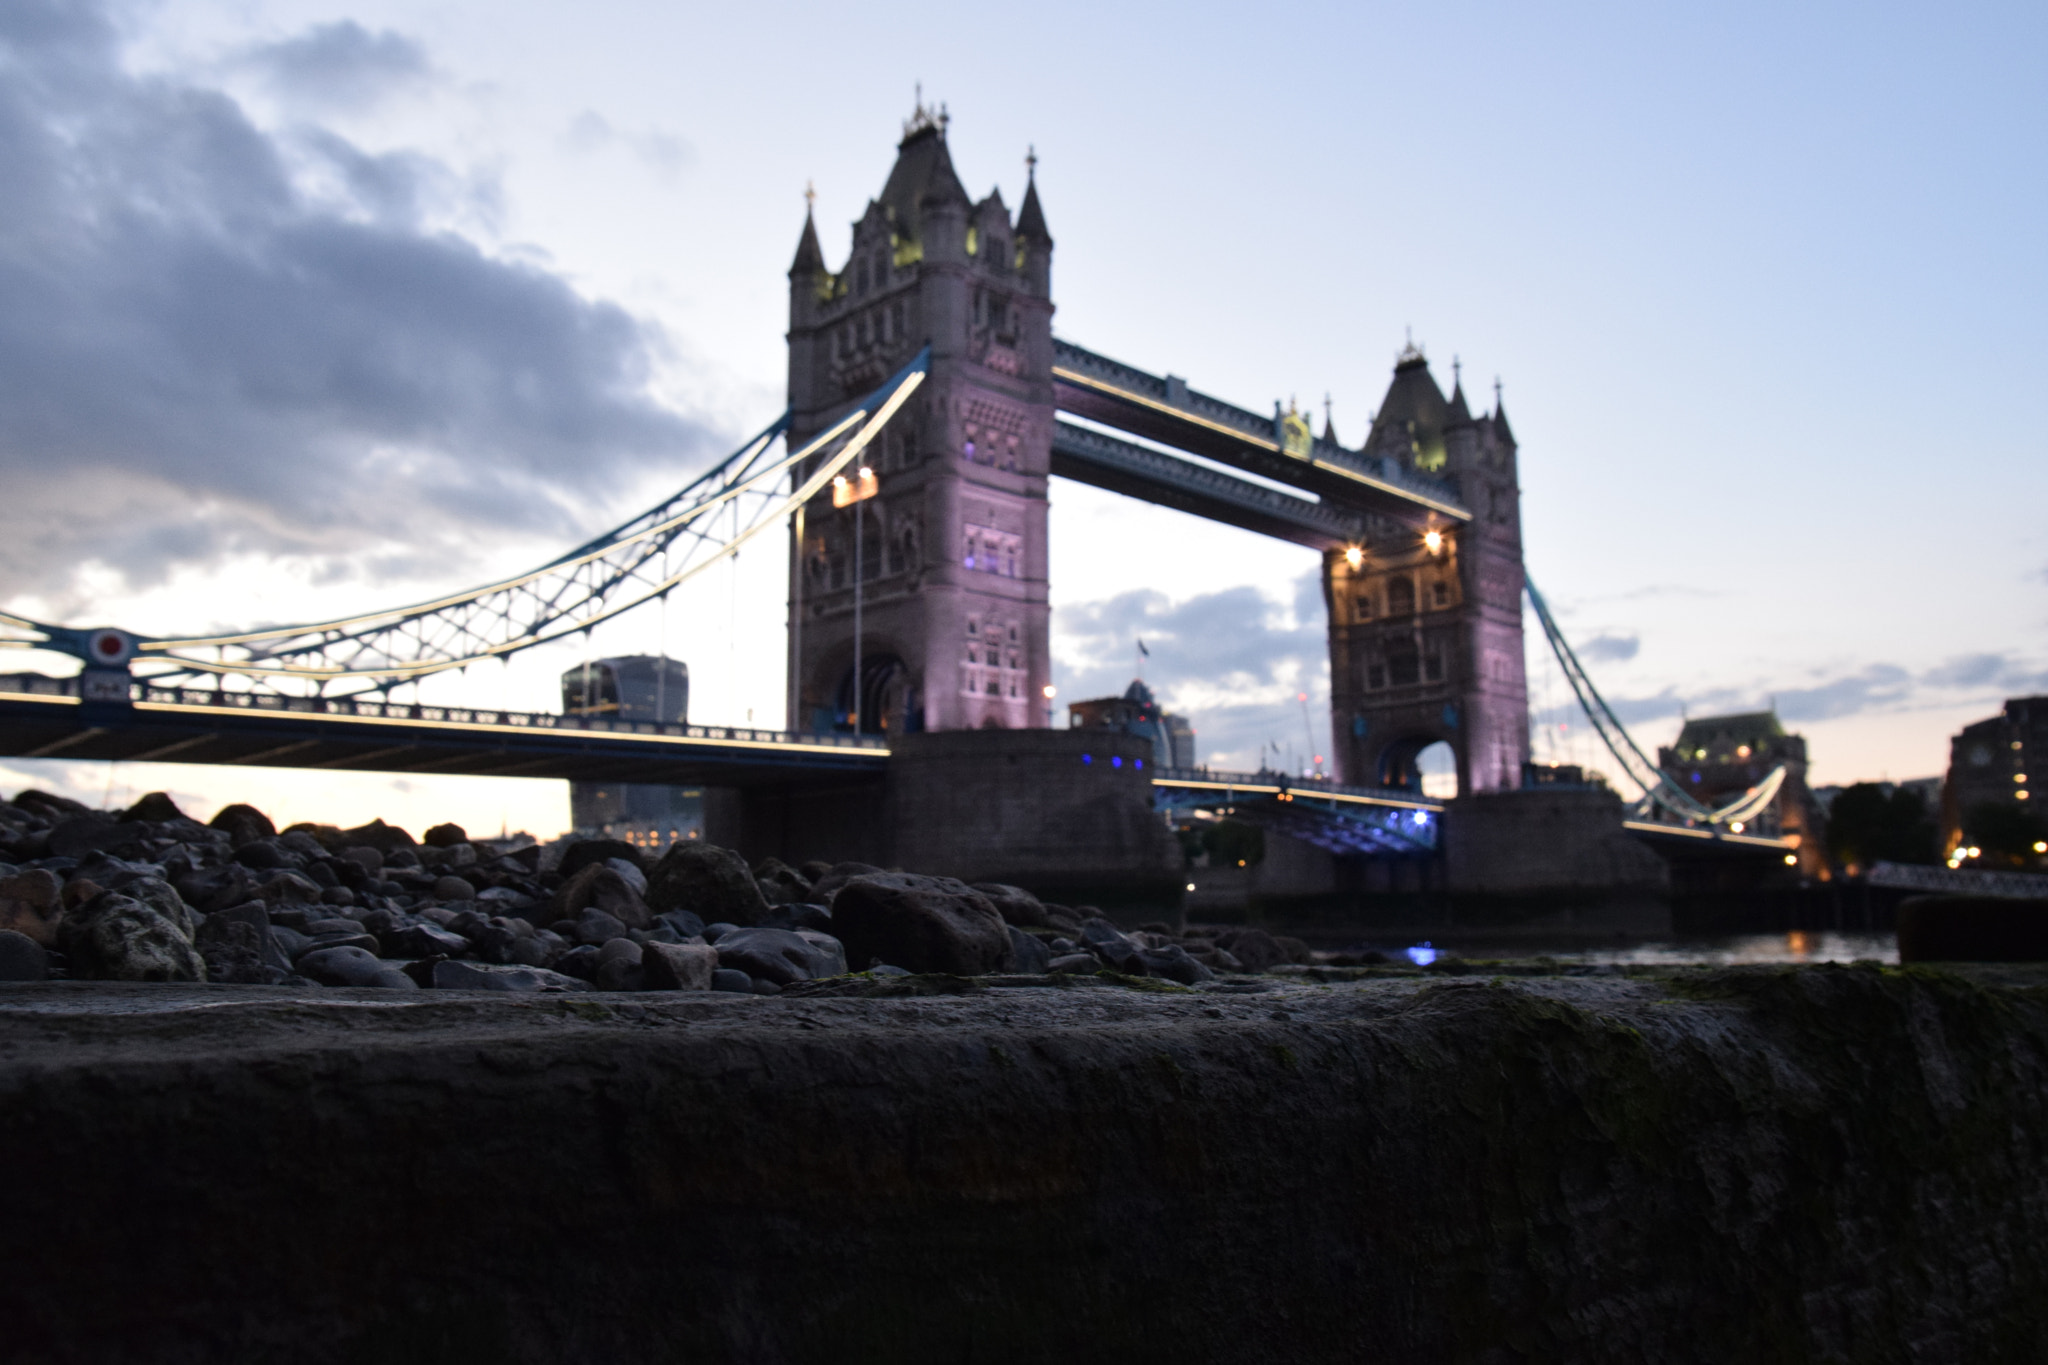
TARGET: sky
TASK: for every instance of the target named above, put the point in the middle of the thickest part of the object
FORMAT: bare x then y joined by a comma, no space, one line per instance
308,308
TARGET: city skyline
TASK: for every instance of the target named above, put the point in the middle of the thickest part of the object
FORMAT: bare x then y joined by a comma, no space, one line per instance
1736,315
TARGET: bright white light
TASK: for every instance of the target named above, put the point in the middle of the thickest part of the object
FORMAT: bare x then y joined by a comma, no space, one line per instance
1422,954
1354,556
1050,691
1434,540
1791,860
1191,886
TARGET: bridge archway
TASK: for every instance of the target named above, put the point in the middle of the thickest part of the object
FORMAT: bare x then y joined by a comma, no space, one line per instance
890,701
1422,762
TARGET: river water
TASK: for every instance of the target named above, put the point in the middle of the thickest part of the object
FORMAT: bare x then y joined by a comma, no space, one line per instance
1798,945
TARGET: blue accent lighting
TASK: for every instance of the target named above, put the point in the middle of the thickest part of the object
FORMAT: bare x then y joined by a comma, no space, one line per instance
1116,762
1422,954
1140,762
1087,758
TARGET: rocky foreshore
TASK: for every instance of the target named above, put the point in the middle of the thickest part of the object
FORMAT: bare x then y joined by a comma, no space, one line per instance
150,894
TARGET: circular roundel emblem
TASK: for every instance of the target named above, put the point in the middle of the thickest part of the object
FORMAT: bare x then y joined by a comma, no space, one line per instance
110,647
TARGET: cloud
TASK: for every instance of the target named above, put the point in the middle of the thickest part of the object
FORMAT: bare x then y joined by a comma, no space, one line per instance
219,341
1610,647
663,153
340,67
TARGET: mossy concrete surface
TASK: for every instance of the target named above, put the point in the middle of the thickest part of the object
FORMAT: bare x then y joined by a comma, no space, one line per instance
1803,1164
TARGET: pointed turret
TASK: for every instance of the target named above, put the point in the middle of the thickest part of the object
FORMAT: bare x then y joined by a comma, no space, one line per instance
810,258
1500,425
1031,218
1457,412
1411,420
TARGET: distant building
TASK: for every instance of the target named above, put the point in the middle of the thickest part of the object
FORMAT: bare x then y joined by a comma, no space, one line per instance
1928,789
1561,775
635,687
1137,713
1717,758
1989,763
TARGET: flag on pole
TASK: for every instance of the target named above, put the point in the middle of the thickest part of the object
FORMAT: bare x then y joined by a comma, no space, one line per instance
1142,650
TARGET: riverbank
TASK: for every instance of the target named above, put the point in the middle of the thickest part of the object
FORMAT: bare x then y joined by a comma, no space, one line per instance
1820,1163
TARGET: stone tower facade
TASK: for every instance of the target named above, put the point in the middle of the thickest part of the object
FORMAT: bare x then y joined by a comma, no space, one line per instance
953,554
1426,625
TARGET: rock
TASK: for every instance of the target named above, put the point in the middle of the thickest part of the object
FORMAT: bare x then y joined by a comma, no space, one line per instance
1077,964
154,808
678,966
114,937
217,887
826,884
1296,950
1014,904
239,947
927,924
813,870
242,824
600,886
683,922
534,950
618,966
336,895
762,987
714,932
1113,947
779,955
50,806
583,853
322,942
265,855
445,836
1172,962
634,876
378,835
1254,948
288,888
23,958
290,941
351,966
452,889
831,953
595,926
159,896
732,980
29,905
369,859
1028,954
712,882
82,834
468,976
780,883
799,915
422,940
453,856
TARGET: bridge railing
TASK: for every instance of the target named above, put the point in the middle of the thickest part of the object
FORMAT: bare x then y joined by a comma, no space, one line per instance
141,693
1272,783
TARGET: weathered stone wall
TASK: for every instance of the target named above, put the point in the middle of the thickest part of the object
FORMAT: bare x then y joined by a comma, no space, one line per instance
1022,806
1820,1164
1549,852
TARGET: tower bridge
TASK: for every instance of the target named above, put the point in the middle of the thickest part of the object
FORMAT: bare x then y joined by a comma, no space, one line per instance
929,406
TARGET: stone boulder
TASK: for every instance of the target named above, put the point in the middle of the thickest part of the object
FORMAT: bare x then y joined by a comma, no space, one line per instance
239,948
1028,954
84,834
113,937
678,966
378,835
1255,949
826,884
469,976
445,836
924,924
583,853
242,824
155,808
22,958
780,883
599,886
30,903
781,955
50,806
352,966
1015,904
711,882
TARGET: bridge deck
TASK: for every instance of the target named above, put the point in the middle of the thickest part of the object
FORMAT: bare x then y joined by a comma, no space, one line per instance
1164,409
1092,457
243,729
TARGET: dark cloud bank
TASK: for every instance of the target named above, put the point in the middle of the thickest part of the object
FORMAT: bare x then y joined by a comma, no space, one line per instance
216,338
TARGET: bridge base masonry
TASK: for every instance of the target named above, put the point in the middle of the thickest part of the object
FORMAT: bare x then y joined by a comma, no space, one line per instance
1677,1167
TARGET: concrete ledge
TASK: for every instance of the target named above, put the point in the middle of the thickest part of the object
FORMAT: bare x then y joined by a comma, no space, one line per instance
1814,1163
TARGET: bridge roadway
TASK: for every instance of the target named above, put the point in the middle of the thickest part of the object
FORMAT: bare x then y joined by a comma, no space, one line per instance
1166,410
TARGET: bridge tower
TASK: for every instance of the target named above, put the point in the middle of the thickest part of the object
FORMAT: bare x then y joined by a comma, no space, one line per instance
1426,626
953,553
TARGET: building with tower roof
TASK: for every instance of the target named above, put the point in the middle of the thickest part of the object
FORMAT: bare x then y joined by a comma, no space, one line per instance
953,552
1426,626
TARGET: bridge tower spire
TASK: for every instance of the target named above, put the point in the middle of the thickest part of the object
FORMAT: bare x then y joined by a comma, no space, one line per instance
954,619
